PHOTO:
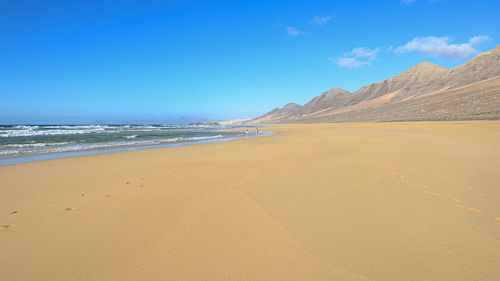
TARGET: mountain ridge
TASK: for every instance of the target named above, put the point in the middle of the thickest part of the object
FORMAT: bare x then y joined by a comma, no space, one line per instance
423,80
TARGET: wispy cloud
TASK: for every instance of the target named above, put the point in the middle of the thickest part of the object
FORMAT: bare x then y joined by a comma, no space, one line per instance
441,46
292,31
356,58
477,40
351,62
364,53
319,20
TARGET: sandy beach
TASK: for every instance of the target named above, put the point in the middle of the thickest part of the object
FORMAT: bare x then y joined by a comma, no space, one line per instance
356,201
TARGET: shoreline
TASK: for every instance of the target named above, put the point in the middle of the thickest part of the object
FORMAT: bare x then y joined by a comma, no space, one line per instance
34,157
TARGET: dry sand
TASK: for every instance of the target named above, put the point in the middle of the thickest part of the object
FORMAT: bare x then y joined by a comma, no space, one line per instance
393,201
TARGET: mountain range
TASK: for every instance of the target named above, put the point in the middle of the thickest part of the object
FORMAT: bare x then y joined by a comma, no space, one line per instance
426,91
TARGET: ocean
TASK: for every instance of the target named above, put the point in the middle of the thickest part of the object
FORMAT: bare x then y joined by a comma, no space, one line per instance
22,140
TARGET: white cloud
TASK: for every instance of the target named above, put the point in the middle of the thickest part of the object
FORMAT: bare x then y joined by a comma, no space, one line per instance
440,46
321,20
364,53
477,40
292,31
351,62
356,58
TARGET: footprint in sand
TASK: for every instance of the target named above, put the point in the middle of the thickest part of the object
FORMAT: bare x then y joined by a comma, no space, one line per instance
472,188
70,209
403,179
83,194
13,212
432,193
127,182
448,180
468,208
8,225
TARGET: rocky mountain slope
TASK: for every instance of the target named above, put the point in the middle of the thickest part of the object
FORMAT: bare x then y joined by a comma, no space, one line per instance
424,92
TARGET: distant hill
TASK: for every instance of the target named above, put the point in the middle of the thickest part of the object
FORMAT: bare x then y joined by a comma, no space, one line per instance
426,91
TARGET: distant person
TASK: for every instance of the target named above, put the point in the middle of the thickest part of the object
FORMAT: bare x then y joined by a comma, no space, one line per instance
247,132
257,129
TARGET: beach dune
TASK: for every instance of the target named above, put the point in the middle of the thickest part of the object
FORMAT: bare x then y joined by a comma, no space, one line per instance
358,201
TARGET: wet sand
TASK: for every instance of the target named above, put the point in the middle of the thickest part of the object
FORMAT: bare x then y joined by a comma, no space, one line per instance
388,201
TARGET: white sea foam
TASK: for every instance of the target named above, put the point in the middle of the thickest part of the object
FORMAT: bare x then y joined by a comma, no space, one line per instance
53,130
48,132
28,145
28,148
204,138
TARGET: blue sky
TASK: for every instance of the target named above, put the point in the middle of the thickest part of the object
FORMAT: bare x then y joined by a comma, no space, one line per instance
81,61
